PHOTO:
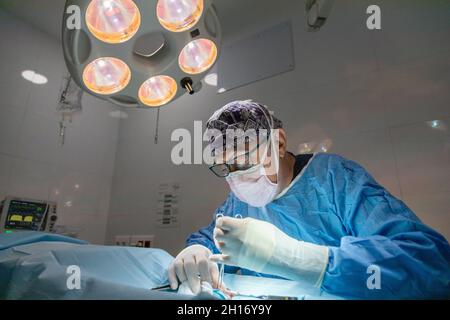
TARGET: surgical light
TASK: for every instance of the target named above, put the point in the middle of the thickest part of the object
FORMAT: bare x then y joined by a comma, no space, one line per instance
198,56
179,15
113,21
141,53
106,76
157,91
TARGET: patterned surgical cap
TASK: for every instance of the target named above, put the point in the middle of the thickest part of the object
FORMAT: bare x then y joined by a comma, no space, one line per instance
242,115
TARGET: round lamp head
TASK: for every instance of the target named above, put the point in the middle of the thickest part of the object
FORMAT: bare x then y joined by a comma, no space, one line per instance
158,91
179,15
198,56
113,21
106,76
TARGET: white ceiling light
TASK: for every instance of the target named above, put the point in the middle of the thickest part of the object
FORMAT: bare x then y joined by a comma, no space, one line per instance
142,53
34,77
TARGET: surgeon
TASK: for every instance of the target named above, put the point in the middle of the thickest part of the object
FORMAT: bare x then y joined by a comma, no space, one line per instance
318,219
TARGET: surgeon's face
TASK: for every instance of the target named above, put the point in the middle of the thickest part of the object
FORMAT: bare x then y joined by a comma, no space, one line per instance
247,155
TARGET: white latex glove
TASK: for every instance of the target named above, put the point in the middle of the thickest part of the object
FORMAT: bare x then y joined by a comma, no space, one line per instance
260,246
193,265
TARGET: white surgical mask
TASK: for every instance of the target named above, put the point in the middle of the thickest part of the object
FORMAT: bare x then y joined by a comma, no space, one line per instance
253,188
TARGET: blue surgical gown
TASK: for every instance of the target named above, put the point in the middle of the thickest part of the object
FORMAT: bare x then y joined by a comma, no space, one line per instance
336,203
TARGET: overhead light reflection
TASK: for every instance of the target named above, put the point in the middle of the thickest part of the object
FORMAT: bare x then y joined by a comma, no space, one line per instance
212,79
315,146
34,77
68,204
304,148
437,125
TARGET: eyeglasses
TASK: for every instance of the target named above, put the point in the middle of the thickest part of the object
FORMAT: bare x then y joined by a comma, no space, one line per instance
223,170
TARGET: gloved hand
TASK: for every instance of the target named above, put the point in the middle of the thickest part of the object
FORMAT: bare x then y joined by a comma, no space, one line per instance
260,246
206,289
193,265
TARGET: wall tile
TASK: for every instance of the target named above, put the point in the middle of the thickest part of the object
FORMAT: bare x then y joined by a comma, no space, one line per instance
18,45
90,228
39,139
77,193
10,129
31,179
337,108
423,156
411,30
44,98
417,91
5,172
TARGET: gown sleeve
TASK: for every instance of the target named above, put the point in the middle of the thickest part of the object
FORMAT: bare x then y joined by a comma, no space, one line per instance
204,237
413,260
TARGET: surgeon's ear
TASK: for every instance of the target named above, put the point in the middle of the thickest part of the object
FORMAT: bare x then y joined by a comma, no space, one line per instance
282,143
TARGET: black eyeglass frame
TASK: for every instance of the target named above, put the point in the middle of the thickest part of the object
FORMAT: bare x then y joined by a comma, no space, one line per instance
228,167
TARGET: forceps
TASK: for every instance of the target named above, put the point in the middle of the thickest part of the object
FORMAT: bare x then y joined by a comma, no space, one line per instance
222,265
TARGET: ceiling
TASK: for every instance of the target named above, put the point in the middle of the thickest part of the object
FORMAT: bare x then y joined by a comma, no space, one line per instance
45,15
235,15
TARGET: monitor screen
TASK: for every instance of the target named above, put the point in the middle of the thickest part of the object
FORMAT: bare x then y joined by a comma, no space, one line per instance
25,215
